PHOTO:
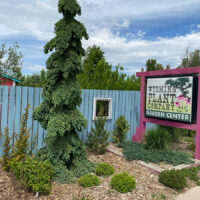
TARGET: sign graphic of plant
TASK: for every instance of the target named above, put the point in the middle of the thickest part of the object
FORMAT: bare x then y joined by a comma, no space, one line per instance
184,85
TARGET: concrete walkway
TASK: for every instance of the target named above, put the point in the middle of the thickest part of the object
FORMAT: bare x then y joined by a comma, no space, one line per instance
192,194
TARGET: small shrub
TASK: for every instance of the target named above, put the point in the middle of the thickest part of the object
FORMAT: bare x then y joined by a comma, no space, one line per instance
83,198
36,176
89,180
97,139
104,169
173,133
173,178
6,151
123,182
157,139
21,148
136,151
120,130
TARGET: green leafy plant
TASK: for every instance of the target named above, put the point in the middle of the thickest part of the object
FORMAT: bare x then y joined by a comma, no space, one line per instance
104,169
83,198
89,180
123,182
173,133
97,140
192,173
157,139
6,152
58,113
21,147
173,178
136,151
191,143
120,130
36,176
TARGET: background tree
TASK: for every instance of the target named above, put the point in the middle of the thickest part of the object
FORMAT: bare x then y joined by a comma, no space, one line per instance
152,65
58,113
34,80
11,61
99,74
191,59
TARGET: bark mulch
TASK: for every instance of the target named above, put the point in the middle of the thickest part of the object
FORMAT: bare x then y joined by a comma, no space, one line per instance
147,188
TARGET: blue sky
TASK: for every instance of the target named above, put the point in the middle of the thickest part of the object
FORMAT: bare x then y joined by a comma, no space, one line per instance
129,31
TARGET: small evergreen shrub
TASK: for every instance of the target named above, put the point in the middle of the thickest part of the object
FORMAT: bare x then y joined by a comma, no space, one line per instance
157,139
35,175
136,151
97,139
21,147
104,169
120,130
6,152
123,182
89,180
173,133
83,198
173,178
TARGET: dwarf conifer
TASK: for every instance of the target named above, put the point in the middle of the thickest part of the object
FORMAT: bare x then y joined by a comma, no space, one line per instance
58,113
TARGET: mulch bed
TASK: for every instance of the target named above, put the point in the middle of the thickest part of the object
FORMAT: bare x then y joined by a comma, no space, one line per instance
147,188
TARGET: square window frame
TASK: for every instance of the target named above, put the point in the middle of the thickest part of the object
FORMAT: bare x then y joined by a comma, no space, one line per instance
95,99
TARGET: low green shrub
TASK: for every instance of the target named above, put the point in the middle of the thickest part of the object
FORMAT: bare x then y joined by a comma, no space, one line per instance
98,138
120,130
192,173
123,182
36,176
173,178
157,139
89,180
136,151
104,169
63,175
173,133
83,198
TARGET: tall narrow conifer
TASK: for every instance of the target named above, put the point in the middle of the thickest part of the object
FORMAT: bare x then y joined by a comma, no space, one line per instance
58,112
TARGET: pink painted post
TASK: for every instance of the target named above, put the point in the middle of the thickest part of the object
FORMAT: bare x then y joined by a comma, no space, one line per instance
197,146
140,130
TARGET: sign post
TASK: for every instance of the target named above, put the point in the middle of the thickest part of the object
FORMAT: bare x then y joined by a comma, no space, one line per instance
170,98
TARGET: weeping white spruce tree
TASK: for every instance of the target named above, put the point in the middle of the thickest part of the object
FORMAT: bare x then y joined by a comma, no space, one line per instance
58,112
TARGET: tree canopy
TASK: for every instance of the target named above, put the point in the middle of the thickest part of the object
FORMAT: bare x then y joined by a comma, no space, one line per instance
191,59
99,74
11,61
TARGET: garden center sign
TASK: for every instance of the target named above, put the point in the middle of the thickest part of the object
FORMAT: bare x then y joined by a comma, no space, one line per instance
170,98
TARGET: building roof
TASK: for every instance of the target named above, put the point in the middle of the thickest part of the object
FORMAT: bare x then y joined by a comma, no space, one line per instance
9,77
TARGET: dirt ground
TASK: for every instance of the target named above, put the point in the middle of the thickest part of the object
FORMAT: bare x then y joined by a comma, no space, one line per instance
147,188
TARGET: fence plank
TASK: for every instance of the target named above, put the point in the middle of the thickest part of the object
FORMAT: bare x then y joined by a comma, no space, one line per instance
4,112
11,115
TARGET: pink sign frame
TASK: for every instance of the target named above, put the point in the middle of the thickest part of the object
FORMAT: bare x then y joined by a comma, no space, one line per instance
140,130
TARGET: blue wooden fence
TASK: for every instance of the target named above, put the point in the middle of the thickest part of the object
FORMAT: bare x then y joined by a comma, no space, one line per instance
13,100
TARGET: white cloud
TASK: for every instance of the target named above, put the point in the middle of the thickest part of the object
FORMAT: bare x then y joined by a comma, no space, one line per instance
36,18
141,33
34,68
124,24
133,53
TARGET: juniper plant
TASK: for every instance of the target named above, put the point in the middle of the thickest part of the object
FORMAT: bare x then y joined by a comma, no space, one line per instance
58,112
